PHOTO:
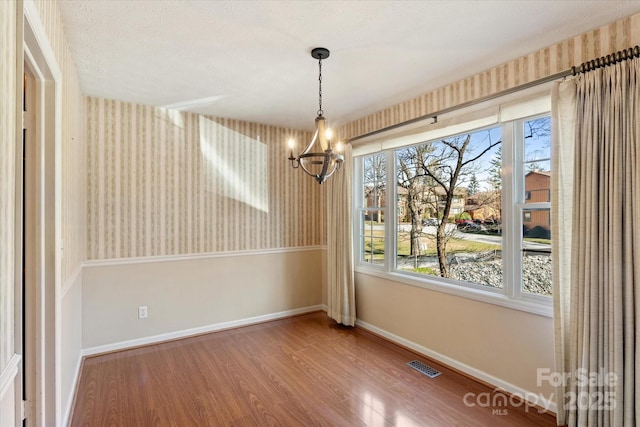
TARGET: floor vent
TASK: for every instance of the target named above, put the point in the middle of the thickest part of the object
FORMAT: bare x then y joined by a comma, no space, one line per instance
421,367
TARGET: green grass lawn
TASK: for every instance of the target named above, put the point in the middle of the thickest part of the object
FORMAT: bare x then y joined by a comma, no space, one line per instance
537,240
424,270
404,245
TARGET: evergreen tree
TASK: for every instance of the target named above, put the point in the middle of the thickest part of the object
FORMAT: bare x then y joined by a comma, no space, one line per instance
495,170
473,185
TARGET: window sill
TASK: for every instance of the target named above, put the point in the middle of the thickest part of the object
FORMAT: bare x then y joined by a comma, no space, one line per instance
540,308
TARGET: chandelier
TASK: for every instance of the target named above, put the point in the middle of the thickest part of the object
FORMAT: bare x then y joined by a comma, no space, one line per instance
319,159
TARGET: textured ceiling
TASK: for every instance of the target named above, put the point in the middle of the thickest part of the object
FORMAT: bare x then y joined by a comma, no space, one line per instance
251,60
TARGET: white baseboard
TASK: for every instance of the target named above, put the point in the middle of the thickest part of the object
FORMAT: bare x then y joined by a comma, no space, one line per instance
197,331
533,398
73,389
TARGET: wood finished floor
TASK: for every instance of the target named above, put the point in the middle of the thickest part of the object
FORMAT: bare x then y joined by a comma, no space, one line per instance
300,371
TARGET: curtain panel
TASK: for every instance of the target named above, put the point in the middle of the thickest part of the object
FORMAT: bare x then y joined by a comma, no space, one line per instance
341,303
596,205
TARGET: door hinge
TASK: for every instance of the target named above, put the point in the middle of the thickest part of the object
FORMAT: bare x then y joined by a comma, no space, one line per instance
24,120
25,409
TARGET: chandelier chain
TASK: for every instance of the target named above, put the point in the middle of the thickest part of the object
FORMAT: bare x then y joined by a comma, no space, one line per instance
320,112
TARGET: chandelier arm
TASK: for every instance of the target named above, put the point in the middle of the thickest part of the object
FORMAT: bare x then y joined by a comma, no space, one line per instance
313,141
324,162
335,167
325,165
295,163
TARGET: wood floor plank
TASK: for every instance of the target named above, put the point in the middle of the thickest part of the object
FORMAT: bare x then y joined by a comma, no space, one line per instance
299,371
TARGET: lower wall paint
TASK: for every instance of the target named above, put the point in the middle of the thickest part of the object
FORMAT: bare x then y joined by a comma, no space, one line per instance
71,340
185,295
8,378
8,407
498,345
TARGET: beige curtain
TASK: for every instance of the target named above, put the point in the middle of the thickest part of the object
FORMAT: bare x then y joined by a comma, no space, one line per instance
564,119
597,299
341,303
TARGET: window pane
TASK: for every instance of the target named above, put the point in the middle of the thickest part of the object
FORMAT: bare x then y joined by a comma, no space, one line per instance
537,163
449,208
374,181
373,201
537,182
536,251
536,224
372,236
537,139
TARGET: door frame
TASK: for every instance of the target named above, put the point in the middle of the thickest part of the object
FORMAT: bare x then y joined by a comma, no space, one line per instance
45,300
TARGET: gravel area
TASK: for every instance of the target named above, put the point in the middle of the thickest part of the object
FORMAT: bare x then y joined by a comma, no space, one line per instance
487,270
536,274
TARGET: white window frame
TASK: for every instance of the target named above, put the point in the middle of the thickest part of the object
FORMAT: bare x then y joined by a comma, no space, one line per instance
513,203
519,206
358,211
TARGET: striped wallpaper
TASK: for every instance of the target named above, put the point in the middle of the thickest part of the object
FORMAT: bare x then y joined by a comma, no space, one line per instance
8,84
163,182
553,59
73,144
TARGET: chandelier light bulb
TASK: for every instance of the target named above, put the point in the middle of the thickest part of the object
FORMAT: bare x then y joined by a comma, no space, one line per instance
328,134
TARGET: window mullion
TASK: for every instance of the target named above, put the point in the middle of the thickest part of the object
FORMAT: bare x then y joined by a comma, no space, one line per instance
390,215
358,249
517,203
509,218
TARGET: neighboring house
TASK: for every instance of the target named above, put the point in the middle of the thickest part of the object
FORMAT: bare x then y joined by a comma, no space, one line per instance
485,205
403,211
537,187
431,202
375,197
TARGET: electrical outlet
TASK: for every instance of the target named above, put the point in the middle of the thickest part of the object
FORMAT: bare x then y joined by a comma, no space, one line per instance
142,312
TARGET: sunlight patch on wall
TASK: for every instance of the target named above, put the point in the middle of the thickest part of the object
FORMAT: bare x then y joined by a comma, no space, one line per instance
236,164
174,116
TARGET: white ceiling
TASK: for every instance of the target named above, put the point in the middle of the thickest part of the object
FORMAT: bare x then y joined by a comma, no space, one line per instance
251,60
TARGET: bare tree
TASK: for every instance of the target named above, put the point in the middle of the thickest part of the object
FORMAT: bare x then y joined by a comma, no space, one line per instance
537,130
417,185
375,179
446,164
538,127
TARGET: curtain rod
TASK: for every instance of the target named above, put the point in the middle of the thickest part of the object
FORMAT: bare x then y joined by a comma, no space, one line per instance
622,55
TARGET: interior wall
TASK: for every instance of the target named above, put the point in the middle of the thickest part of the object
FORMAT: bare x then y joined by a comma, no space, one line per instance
493,341
506,344
73,188
7,405
72,200
191,295
71,342
163,182
8,84
73,197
